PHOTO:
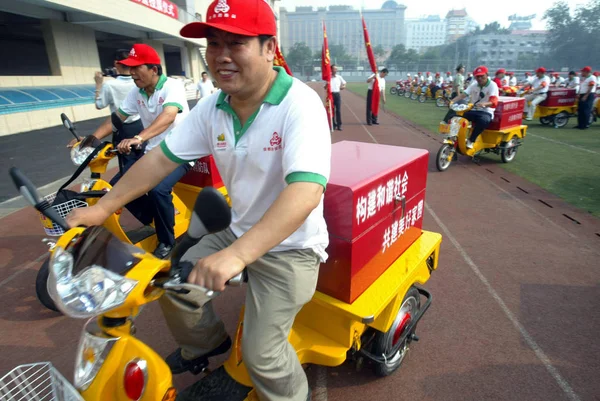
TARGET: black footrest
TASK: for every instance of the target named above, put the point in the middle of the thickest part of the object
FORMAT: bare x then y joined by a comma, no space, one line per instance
217,386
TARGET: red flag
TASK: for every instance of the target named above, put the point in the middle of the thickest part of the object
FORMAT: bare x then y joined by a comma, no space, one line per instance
326,76
371,56
280,61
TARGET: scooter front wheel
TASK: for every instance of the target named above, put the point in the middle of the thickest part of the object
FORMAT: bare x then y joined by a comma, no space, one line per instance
440,102
444,157
41,286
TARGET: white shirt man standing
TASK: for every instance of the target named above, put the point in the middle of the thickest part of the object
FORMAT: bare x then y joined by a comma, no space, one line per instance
338,83
587,92
372,118
205,87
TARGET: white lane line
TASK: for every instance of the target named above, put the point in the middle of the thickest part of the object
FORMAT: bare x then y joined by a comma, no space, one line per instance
564,143
361,123
525,205
541,355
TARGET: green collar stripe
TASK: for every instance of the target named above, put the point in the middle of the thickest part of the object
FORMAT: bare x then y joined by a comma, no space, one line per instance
486,83
159,85
276,94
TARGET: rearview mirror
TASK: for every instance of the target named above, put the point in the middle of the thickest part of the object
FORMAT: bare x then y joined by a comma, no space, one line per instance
30,193
66,122
211,214
69,125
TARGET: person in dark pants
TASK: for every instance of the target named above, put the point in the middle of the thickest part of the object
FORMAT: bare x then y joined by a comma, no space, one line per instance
337,84
161,104
372,118
483,93
587,91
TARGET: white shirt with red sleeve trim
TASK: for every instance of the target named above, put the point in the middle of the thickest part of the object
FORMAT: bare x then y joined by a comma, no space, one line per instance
588,85
490,90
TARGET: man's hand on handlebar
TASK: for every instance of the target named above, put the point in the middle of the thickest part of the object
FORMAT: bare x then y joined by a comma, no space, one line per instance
87,216
126,144
213,271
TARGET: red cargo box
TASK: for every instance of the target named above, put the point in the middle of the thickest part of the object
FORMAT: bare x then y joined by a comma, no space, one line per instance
508,113
203,174
560,97
373,207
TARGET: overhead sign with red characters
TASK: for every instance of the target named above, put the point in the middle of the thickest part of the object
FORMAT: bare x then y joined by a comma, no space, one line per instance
162,6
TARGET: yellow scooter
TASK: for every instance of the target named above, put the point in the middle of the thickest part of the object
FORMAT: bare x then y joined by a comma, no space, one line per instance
505,142
90,152
94,275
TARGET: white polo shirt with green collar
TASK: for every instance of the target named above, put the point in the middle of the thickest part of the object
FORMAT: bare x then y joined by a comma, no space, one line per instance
168,92
287,140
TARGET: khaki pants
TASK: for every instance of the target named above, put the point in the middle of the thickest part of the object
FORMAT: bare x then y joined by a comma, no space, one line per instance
279,284
534,100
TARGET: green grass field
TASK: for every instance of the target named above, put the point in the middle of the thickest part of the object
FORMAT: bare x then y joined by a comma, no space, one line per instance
563,161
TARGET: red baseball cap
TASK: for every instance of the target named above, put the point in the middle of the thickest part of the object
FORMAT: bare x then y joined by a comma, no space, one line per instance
586,69
141,54
541,69
481,70
241,17
510,73
501,71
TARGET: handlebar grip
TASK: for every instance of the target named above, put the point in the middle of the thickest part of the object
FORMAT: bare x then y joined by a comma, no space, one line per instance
186,267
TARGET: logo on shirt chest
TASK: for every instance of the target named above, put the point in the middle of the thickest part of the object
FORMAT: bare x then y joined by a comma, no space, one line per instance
221,143
141,103
161,101
274,143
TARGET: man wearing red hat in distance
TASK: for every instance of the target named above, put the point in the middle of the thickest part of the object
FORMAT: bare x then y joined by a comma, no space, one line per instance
538,92
269,135
161,104
587,92
512,81
483,93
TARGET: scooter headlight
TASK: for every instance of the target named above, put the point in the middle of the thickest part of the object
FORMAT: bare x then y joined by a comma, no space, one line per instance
454,126
79,155
92,291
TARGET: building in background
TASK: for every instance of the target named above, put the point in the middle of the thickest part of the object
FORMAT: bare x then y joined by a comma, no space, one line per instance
458,23
514,51
425,32
52,48
304,25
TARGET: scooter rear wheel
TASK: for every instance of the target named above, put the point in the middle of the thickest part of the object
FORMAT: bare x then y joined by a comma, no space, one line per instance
384,342
41,286
422,98
440,102
393,90
561,119
510,152
443,159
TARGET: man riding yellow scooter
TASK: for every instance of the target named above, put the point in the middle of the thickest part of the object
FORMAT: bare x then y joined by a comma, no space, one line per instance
483,93
275,162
